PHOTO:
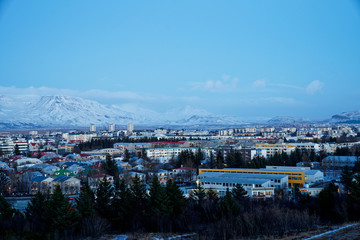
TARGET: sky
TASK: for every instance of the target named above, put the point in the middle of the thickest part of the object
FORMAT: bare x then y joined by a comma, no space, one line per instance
251,59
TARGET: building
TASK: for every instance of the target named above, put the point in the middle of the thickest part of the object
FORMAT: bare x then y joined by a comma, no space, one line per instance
165,154
220,182
184,174
296,177
276,180
271,149
68,185
95,180
311,176
130,127
112,127
163,175
92,128
339,162
40,183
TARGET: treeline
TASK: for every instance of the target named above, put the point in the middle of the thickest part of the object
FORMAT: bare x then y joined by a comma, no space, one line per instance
122,208
235,159
131,207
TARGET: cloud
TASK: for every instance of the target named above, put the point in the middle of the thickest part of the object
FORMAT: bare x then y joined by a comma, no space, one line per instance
88,94
261,83
314,87
227,83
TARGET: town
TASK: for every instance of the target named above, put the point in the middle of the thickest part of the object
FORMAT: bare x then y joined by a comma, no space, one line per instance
262,159
259,163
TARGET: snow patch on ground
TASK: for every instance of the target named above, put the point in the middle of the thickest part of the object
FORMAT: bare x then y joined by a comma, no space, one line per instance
330,232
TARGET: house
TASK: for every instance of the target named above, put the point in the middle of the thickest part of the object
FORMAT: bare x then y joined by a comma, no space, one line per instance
184,174
68,185
40,183
163,175
50,170
132,175
94,180
63,172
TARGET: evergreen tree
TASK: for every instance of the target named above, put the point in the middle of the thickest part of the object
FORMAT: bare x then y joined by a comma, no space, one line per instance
85,201
111,168
176,200
35,212
198,194
157,198
347,178
354,200
219,160
104,194
229,206
6,211
198,157
239,193
212,160
238,160
4,183
127,155
121,205
138,195
16,150
60,214
230,159
331,207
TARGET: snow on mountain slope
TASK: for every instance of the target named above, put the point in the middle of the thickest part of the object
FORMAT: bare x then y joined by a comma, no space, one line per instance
347,117
287,120
65,111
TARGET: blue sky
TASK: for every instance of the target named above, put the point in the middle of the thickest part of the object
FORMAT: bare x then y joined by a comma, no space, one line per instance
250,59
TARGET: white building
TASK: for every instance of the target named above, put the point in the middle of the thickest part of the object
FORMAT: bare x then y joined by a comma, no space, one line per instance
92,128
276,180
112,127
255,187
130,127
165,154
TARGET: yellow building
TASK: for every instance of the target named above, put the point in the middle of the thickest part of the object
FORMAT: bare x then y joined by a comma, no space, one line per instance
296,177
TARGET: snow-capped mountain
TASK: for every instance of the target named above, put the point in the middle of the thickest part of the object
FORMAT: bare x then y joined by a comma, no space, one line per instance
347,117
287,120
65,111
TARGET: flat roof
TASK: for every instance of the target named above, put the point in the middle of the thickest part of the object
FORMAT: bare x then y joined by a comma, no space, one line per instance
235,180
243,175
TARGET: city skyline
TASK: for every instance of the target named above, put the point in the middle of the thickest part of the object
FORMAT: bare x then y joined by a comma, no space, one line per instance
236,58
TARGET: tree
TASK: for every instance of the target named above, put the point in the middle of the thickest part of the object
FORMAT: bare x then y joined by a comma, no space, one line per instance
157,198
198,194
198,157
60,214
104,194
85,201
4,183
35,213
229,206
354,200
6,211
16,150
111,168
176,198
121,205
239,193
219,160
331,205
347,178
212,161
127,155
